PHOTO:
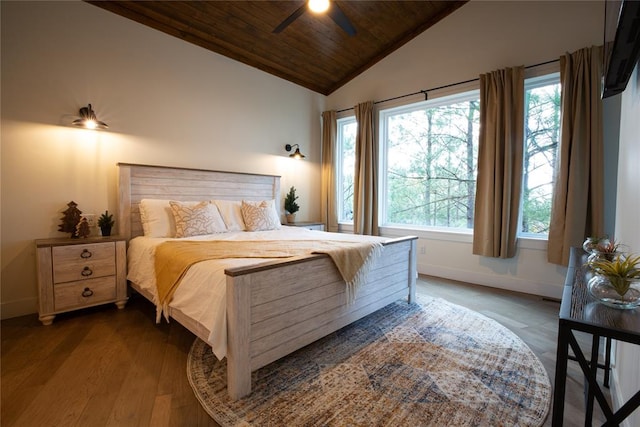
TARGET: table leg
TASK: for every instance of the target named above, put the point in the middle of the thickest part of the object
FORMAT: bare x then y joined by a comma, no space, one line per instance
594,389
593,372
607,362
562,354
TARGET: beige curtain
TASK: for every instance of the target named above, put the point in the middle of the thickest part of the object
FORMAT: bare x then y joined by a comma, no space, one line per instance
577,210
328,186
365,192
499,182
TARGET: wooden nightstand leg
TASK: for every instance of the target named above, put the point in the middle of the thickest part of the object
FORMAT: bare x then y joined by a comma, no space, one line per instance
47,320
121,304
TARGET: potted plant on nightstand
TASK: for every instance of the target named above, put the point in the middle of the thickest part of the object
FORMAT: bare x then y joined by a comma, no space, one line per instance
617,281
105,222
290,205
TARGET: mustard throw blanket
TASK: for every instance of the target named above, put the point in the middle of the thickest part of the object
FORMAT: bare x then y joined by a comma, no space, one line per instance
173,259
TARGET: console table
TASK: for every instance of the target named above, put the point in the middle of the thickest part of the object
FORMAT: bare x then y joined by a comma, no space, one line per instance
579,311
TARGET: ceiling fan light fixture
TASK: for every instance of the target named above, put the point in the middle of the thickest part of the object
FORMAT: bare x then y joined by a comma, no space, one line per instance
318,6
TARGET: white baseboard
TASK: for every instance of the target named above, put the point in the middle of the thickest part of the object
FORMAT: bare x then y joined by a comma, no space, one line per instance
508,282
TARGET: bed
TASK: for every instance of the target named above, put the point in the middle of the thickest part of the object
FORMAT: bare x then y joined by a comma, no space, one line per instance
272,307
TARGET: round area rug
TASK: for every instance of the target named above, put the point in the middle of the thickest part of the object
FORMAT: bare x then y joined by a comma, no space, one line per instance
427,364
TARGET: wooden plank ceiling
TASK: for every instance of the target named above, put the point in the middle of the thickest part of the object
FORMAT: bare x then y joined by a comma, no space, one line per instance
313,51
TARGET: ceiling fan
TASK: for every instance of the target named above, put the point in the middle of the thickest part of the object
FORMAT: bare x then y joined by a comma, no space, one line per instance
320,6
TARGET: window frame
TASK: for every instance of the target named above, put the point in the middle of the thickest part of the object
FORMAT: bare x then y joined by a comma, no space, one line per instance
534,82
341,123
539,76
469,94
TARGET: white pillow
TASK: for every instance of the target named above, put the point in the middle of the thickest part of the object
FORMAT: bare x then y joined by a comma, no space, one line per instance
231,214
197,220
156,217
260,215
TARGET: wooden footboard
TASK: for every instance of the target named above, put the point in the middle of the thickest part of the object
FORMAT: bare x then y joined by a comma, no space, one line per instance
276,308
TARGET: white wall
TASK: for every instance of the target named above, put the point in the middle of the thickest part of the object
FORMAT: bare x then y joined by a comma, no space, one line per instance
627,368
166,102
480,37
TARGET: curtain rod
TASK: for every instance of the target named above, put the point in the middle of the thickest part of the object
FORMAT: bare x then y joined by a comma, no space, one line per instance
425,91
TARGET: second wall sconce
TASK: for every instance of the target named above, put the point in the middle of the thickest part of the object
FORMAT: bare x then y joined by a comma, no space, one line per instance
296,154
89,120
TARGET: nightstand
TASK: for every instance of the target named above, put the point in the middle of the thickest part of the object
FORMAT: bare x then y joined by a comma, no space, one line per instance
309,225
79,273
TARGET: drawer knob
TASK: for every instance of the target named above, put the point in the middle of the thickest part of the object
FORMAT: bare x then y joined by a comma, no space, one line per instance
86,272
86,253
87,292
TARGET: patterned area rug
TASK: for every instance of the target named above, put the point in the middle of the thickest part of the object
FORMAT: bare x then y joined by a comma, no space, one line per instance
427,364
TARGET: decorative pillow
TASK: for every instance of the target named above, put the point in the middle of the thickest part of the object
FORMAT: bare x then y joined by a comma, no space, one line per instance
197,220
231,214
260,215
156,218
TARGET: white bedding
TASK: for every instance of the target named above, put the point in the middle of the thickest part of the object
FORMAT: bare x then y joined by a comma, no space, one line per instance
202,292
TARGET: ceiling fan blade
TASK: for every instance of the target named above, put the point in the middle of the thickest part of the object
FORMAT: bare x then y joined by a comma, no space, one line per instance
295,15
341,19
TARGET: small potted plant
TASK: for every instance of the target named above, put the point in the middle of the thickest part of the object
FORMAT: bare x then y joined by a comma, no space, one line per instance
617,281
290,205
592,242
105,222
604,249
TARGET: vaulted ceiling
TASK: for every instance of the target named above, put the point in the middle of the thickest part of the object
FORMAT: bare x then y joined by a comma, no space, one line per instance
313,51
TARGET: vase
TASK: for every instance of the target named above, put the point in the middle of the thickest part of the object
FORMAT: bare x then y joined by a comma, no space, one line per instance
599,256
105,231
592,243
601,289
291,218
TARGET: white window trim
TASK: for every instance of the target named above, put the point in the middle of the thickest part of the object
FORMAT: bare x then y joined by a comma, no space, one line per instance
382,118
340,123
532,83
534,77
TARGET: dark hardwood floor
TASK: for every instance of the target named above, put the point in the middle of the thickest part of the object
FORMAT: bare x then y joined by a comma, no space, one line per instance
109,367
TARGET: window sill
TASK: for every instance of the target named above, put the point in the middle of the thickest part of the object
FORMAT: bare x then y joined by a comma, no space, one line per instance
460,236
431,234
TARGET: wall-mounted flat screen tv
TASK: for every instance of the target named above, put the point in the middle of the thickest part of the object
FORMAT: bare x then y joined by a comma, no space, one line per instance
621,44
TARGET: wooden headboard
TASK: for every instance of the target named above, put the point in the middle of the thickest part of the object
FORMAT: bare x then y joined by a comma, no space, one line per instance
137,182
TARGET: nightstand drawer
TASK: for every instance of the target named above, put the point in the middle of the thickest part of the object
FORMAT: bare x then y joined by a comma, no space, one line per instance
84,293
80,262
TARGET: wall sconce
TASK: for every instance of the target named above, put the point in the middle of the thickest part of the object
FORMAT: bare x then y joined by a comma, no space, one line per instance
296,154
89,120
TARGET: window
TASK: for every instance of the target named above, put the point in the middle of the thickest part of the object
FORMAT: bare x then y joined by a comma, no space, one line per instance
347,128
542,136
429,153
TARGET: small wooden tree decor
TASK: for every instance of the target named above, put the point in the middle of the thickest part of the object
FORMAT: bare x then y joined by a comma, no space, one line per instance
71,219
83,229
